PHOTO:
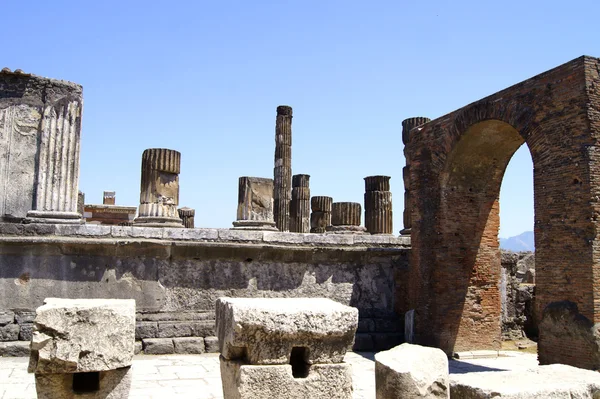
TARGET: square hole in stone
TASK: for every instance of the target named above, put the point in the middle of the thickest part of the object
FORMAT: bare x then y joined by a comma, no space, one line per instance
86,382
298,362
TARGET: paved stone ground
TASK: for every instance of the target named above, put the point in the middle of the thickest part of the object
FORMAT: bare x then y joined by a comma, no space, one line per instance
198,376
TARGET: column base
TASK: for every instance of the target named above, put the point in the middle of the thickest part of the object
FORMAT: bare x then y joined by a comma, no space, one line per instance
405,232
347,229
53,217
157,221
254,225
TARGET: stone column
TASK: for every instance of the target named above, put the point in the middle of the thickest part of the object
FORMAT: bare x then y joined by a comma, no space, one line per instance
320,217
345,218
407,126
80,202
187,216
378,205
109,198
300,204
283,167
159,194
255,204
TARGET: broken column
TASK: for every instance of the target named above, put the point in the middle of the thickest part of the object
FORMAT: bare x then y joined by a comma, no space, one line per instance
187,216
109,198
378,205
255,204
159,194
285,347
83,348
300,204
40,129
283,167
320,217
407,126
345,218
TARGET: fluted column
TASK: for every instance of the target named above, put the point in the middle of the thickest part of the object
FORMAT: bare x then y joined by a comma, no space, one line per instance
407,126
159,193
320,217
378,205
345,218
187,216
300,204
283,167
255,204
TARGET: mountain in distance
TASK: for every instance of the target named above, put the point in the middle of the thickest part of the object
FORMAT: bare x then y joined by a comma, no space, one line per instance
522,242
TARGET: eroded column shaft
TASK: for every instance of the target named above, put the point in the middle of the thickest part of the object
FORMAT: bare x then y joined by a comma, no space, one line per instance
187,216
300,204
283,167
345,218
378,205
320,217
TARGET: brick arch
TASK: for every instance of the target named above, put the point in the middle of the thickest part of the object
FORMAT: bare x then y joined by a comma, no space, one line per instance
457,164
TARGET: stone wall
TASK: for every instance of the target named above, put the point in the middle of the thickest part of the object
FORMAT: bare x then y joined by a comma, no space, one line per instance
517,290
175,275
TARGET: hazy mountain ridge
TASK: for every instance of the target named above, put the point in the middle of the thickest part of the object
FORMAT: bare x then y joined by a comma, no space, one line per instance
522,242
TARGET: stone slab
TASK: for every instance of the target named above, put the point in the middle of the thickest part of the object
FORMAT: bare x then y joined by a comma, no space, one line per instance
6,317
113,384
555,381
83,335
411,371
9,332
158,346
324,381
26,332
146,329
14,349
189,345
264,330
211,344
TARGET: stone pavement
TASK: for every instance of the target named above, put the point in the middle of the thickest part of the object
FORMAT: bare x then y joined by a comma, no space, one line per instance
198,376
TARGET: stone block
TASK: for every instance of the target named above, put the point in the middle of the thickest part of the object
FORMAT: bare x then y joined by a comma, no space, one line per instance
264,330
240,235
83,335
14,349
9,332
6,317
26,332
158,346
211,344
168,329
111,384
137,348
24,316
146,329
411,371
189,345
556,381
326,381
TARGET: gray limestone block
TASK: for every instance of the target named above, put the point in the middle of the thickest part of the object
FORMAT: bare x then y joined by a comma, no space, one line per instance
9,332
85,230
168,329
411,371
211,344
240,235
176,316
14,349
24,316
158,346
264,330
137,349
113,384
26,332
191,234
556,381
322,381
328,239
6,317
363,343
189,345
83,335
146,329
284,238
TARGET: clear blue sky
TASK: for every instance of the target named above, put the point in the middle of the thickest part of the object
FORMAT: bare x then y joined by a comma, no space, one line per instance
205,78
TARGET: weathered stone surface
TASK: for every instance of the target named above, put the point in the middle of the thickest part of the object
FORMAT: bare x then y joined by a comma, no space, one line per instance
14,349
26,332
137,348
24,316
555,381
378,205
265,330
300,204
323,381
190,345
255,204
6,317
187,216
113,384
345,214
282,171
411,371
9,332
146,329
82,335
211,344
158,346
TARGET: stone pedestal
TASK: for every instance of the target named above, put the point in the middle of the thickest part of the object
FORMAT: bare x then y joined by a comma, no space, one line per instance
255,204
320,217
300,204
83,348
407,126
283,167
159,194
345,218
187,216
378,205
285,347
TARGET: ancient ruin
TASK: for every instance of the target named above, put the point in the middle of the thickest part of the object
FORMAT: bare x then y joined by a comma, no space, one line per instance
159,193
255,204
109,212
320,216
300,204
345,218
187,216
378,205
282,173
